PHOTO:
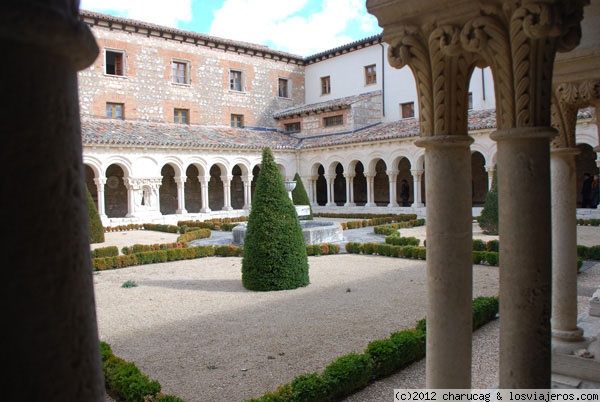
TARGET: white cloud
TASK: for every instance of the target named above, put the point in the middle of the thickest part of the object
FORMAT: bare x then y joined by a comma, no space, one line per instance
168,13
297,26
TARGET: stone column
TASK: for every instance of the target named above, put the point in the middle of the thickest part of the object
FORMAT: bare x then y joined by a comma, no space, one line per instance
312,190
131,195
567,337
490,172
392,176
330,192
226,192
525,256
449,260
247,192
205,208
180,181
370,189
100,183
417,175
50,336
349,190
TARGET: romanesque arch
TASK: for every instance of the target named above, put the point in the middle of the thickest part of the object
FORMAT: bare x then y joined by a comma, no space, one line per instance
168,190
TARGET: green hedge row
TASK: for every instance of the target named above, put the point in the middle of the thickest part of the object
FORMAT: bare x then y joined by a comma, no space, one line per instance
142,248
415,252
110,251
322,249
393,227
197,233
588,222
354,371
383,218
124,381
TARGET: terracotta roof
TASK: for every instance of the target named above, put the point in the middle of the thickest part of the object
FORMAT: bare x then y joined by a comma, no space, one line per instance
141,133
478,120
335,104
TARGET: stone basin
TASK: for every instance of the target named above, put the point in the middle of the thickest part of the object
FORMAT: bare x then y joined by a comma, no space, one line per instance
315,232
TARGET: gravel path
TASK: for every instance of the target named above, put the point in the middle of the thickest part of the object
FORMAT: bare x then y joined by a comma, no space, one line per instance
194,328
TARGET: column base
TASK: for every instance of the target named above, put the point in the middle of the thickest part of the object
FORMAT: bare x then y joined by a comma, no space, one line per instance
370,204
331,204
350,204
393,205
181,211
227,208
205,210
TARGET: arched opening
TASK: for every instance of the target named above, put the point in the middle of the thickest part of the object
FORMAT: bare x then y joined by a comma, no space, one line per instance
237,188
321,186
89,183
216,198
168,191
115,192
381,184
193,190
479,179
404,184
339,186
585,162
360,185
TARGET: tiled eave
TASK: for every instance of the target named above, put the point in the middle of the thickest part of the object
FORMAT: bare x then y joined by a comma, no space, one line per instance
323,107
113,132
144,28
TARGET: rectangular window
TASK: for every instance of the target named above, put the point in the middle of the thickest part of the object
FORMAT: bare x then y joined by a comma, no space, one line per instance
181,72
292,127
336,120
237,120
325,85
114,110
470,104
114,62
235,80
182,116
370,75
283,91
407,109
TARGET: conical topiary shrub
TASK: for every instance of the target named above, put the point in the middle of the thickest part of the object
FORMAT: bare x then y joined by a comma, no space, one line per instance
274,250
96,227
299,196
488,220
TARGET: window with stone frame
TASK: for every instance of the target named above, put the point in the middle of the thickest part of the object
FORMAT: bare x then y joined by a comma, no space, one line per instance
182,116
407,110
331,121
283,90
114,110
325,85
237,120
181,72
292,127
370,74
236,82
114,62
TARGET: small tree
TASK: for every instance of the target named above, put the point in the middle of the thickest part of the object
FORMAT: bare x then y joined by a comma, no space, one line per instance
96,227
299,196
274,249
488,220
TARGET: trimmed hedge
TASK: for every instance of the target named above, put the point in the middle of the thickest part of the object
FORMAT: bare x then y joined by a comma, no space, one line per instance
125,381
381,358
109,251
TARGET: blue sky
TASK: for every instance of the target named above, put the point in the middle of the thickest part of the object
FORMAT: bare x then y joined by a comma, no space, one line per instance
301,27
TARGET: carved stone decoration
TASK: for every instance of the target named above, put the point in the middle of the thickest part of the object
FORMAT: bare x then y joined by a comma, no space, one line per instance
567,99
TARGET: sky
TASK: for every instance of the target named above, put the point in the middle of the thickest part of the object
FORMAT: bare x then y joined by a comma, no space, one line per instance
300,27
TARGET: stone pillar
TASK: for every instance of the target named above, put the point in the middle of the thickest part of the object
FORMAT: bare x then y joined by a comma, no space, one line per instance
525,256
131,192
370,189
417,175
449,260
349,190
490,171
247,192
50,335
330,178
226,192
313,190
567,337
100,183
180,181
205,208
392,176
